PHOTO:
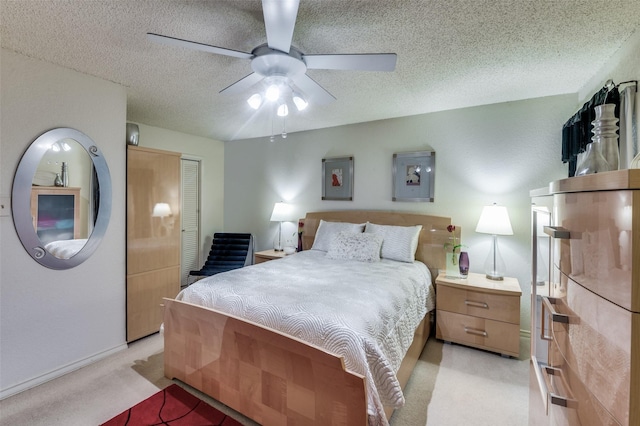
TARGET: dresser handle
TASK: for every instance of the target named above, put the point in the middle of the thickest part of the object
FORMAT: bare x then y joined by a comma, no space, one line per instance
543,315
570,318
476,304
557,232
554,398
475,331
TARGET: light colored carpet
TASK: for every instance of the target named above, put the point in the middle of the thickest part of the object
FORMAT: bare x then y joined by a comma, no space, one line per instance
455,385
451,385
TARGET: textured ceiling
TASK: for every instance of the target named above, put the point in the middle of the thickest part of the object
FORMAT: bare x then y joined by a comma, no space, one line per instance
451,54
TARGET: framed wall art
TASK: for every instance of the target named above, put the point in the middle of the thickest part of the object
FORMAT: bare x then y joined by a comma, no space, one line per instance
413,176
337,178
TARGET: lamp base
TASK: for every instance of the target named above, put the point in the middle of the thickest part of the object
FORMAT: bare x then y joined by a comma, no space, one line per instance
494,267
495,277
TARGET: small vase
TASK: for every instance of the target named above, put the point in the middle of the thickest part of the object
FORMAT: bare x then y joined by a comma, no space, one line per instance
463,264
451,262
57,181
299,241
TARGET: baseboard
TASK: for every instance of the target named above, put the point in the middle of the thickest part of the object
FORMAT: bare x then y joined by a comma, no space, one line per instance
59,372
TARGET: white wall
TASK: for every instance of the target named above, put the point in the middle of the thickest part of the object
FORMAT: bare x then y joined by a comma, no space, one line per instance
494,153
55,321
211,155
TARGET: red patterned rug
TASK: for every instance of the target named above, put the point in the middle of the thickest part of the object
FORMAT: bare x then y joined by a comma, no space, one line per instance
172,406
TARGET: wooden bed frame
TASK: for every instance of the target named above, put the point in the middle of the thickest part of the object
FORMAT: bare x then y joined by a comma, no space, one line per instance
276,379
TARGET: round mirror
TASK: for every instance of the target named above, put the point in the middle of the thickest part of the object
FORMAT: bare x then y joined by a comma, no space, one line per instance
61,198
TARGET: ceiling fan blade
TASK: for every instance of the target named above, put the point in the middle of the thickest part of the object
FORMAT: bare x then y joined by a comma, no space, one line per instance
172,41
355,62
279,20
242,84
315,93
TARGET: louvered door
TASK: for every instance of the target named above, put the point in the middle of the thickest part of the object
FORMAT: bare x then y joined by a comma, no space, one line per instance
190,219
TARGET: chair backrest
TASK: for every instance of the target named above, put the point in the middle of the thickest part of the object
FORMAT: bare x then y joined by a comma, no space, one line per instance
228,251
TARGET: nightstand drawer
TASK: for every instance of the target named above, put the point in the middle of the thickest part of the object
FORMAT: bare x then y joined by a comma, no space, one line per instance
493,306
482,333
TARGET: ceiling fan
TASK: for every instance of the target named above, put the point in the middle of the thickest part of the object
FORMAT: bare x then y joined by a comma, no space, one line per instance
279,63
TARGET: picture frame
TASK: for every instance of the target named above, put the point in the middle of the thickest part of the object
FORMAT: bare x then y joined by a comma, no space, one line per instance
413,176
337,178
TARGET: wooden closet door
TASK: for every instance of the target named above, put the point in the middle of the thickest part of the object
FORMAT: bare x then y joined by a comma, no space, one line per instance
153,236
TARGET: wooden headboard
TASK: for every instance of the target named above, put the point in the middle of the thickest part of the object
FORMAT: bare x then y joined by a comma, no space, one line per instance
433,236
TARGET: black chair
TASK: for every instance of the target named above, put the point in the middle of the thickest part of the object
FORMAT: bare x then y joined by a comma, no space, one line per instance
228,251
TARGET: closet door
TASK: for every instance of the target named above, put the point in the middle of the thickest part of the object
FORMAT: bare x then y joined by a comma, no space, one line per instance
153,236
190,219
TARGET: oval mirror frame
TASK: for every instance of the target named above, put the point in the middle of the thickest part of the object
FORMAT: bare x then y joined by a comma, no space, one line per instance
21,198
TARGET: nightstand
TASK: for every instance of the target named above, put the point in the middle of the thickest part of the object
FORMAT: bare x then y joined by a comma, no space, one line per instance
267,255
479,312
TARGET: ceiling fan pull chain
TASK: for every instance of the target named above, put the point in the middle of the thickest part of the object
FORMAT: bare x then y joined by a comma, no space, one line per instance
272,138
284,127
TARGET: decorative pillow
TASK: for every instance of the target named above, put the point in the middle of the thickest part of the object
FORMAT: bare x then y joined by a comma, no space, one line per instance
355,246
399,242
328,230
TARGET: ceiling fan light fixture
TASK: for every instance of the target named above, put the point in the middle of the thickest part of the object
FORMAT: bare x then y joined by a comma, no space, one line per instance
283,110
300,102
273,93
255,101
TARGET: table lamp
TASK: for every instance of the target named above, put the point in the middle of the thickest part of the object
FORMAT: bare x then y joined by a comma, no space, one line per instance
162,210
494,220
281,213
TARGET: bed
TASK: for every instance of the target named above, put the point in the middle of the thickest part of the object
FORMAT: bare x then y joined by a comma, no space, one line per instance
65,249
245,341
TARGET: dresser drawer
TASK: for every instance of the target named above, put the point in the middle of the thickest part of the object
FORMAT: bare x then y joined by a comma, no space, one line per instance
597,246
592,336
500,307
483,333
571,402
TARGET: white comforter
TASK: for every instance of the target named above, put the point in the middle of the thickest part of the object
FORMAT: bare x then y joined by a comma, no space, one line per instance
364,312
65,249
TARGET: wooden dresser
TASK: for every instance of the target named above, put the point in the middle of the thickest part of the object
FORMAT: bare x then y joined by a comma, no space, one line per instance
479,312
590,319
153,236
56,213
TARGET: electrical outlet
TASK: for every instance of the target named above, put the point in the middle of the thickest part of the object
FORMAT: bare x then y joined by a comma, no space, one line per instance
5,206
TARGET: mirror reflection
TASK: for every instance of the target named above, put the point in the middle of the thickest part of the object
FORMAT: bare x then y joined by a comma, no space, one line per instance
61,198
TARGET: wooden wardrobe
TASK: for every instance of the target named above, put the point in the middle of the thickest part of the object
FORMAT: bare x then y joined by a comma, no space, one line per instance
153,236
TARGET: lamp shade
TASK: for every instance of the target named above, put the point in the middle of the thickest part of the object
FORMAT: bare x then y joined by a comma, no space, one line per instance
281,212
494,220
161,210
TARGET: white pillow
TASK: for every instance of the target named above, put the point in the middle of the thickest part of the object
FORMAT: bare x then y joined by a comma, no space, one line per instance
399,242
328,230
355,246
